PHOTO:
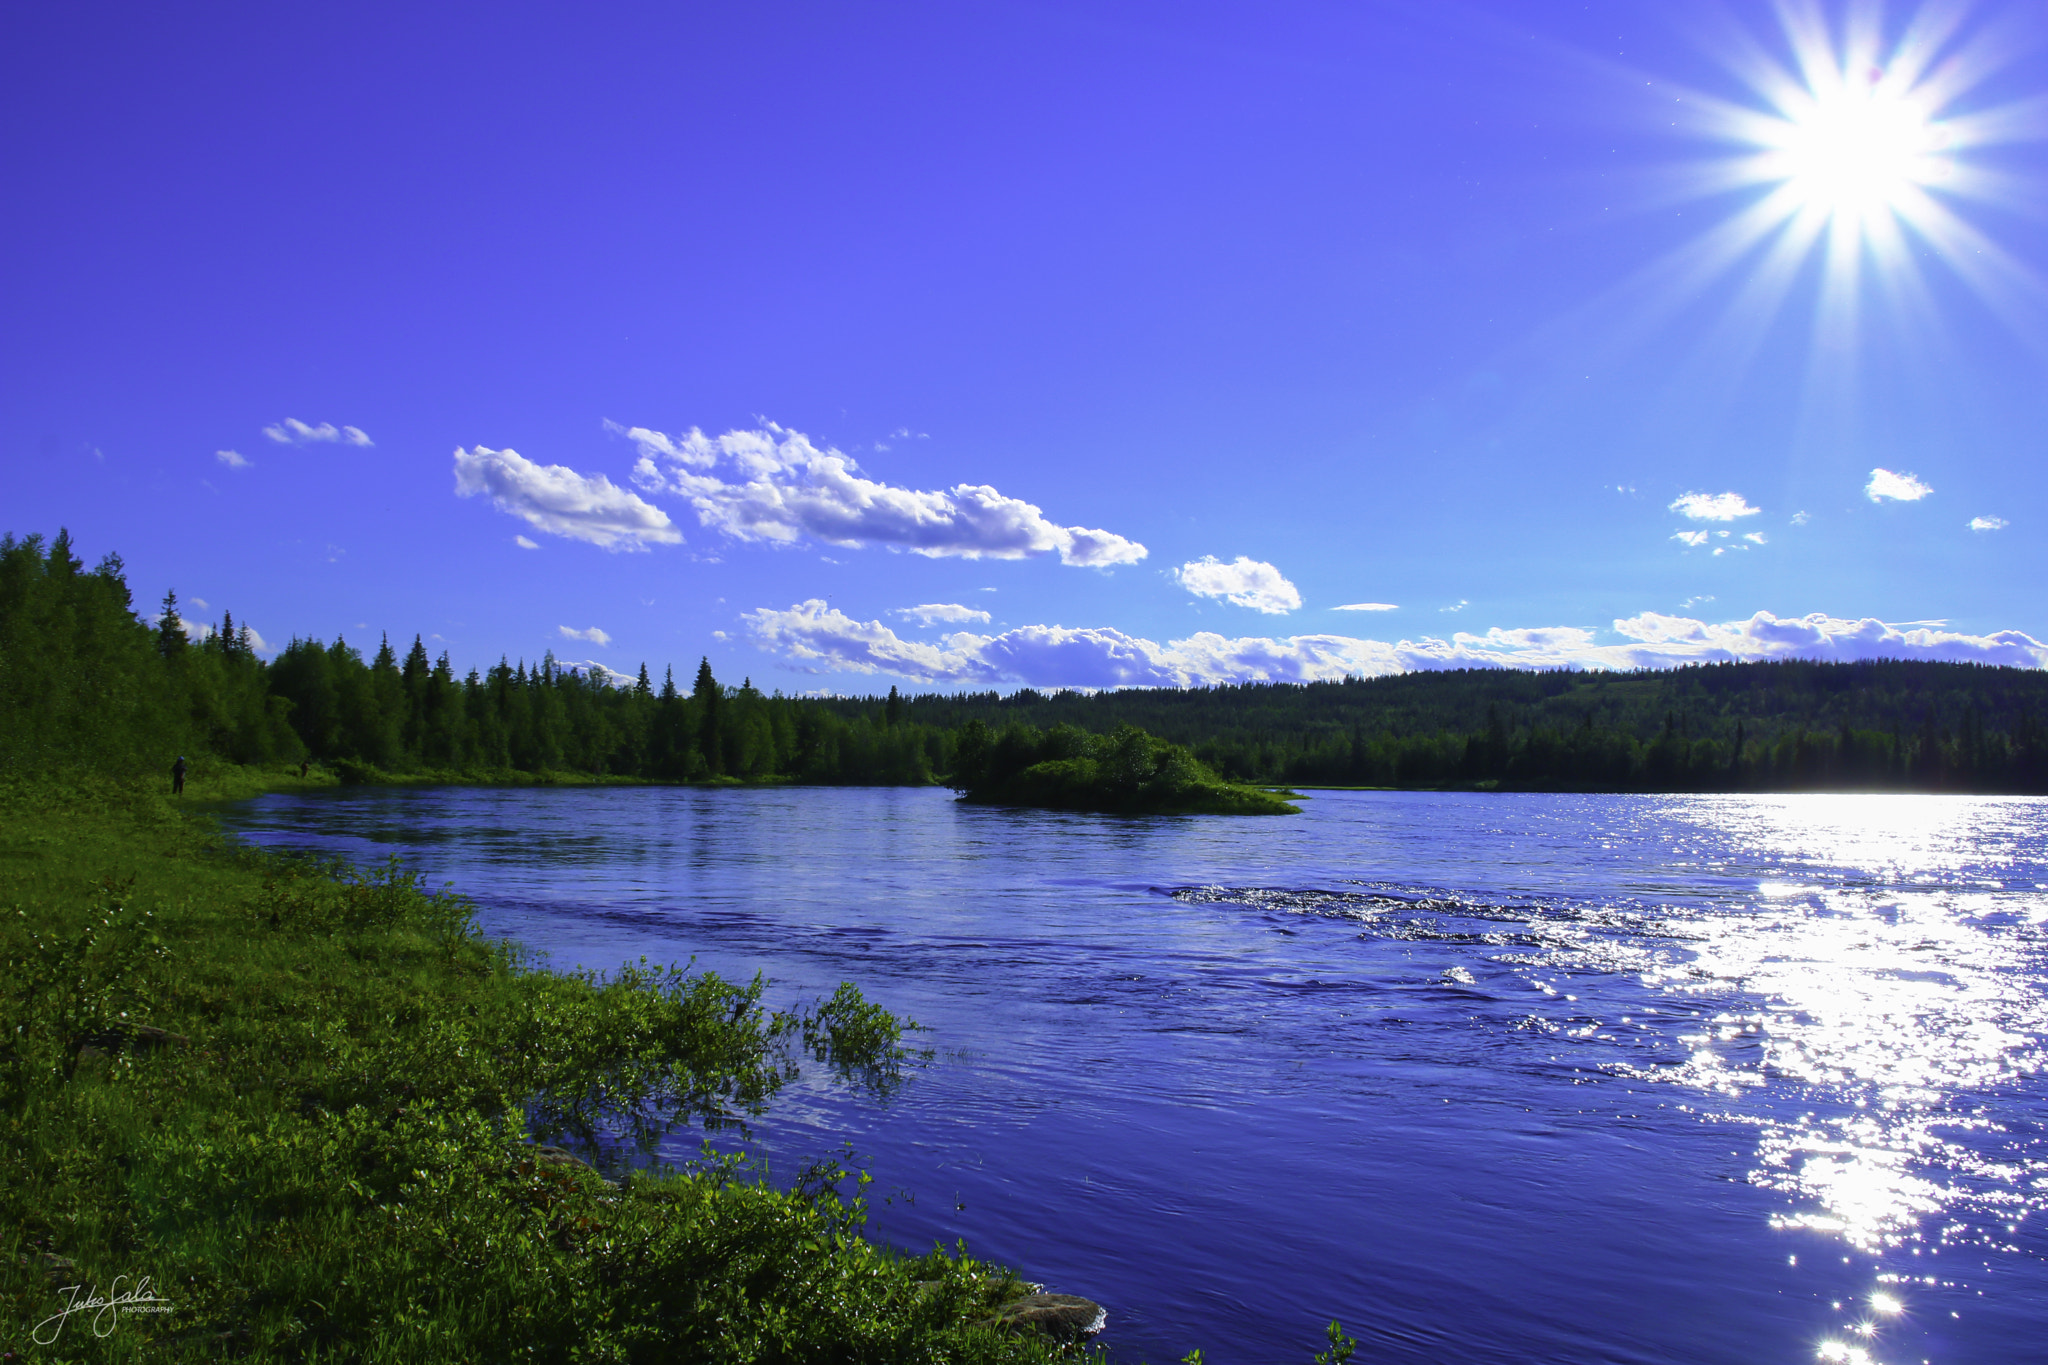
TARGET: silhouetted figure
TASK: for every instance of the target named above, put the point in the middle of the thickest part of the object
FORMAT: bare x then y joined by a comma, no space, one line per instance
304,764
178,776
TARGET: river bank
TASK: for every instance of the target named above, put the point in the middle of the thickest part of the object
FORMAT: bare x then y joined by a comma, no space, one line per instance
290,1109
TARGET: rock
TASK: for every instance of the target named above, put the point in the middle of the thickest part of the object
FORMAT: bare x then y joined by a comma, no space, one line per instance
1065,1317
547,1155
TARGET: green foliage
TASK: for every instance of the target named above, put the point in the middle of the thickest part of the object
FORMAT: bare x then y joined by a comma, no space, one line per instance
1341,1346
1125,772
303,1100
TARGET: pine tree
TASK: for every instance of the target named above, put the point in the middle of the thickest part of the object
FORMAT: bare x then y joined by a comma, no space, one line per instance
642,687
709,699
170,629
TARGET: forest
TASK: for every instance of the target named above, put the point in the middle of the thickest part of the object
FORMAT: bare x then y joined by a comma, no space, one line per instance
88,683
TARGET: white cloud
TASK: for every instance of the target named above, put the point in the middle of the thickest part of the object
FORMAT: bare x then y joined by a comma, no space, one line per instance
1243,582
822,639
593,635
562,502
1366,606
1693,538
1714,506
948,613
774,485
1755,538
1988,523
292,432
592,669
1458,605
1897,487
233,459
523,543
199,602
1801,518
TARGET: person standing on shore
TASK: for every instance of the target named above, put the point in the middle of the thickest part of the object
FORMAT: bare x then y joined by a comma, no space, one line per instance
178,776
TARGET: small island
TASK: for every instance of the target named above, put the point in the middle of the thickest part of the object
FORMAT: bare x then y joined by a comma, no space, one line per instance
1125,772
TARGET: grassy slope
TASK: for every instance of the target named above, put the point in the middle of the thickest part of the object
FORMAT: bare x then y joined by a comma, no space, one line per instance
328,1160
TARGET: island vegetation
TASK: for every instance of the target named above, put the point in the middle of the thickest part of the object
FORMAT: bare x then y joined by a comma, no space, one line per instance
1126,772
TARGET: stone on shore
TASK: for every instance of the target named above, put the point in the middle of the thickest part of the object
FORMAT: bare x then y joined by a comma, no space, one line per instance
1065,1317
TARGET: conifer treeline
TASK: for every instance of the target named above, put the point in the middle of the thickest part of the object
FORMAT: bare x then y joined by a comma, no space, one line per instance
1904,725
84,682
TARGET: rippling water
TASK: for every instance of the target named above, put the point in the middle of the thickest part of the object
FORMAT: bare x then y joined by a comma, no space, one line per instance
1491,1078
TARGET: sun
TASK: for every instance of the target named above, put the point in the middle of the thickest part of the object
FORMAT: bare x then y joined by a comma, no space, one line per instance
1857,147
1853,160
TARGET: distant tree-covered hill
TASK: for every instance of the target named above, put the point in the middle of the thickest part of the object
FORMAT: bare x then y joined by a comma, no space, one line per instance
1880,724
87,683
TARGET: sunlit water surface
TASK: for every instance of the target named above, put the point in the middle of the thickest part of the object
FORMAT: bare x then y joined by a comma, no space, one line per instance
1490,1078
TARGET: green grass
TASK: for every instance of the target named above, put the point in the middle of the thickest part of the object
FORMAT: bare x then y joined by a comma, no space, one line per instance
302,1099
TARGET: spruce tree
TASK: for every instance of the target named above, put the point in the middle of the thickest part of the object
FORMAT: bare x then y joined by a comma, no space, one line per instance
170,629
707,695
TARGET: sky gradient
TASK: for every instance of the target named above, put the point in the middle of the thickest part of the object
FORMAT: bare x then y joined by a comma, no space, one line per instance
1046,344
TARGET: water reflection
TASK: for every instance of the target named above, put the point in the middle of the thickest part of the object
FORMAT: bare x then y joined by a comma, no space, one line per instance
1902,1004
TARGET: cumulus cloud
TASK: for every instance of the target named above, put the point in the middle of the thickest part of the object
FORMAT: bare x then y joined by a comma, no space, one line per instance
597,672
1801,518
233,459
1366,606
1693,538
523,543
1713,506
947,613
823,639
1885,485
1756,538
1988,523
562,502
292,432
773,484
593,635
1243,582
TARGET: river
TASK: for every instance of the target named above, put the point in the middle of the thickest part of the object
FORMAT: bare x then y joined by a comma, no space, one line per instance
1490,1078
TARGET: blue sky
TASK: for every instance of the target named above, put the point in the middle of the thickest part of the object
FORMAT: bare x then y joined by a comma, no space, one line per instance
1132,344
